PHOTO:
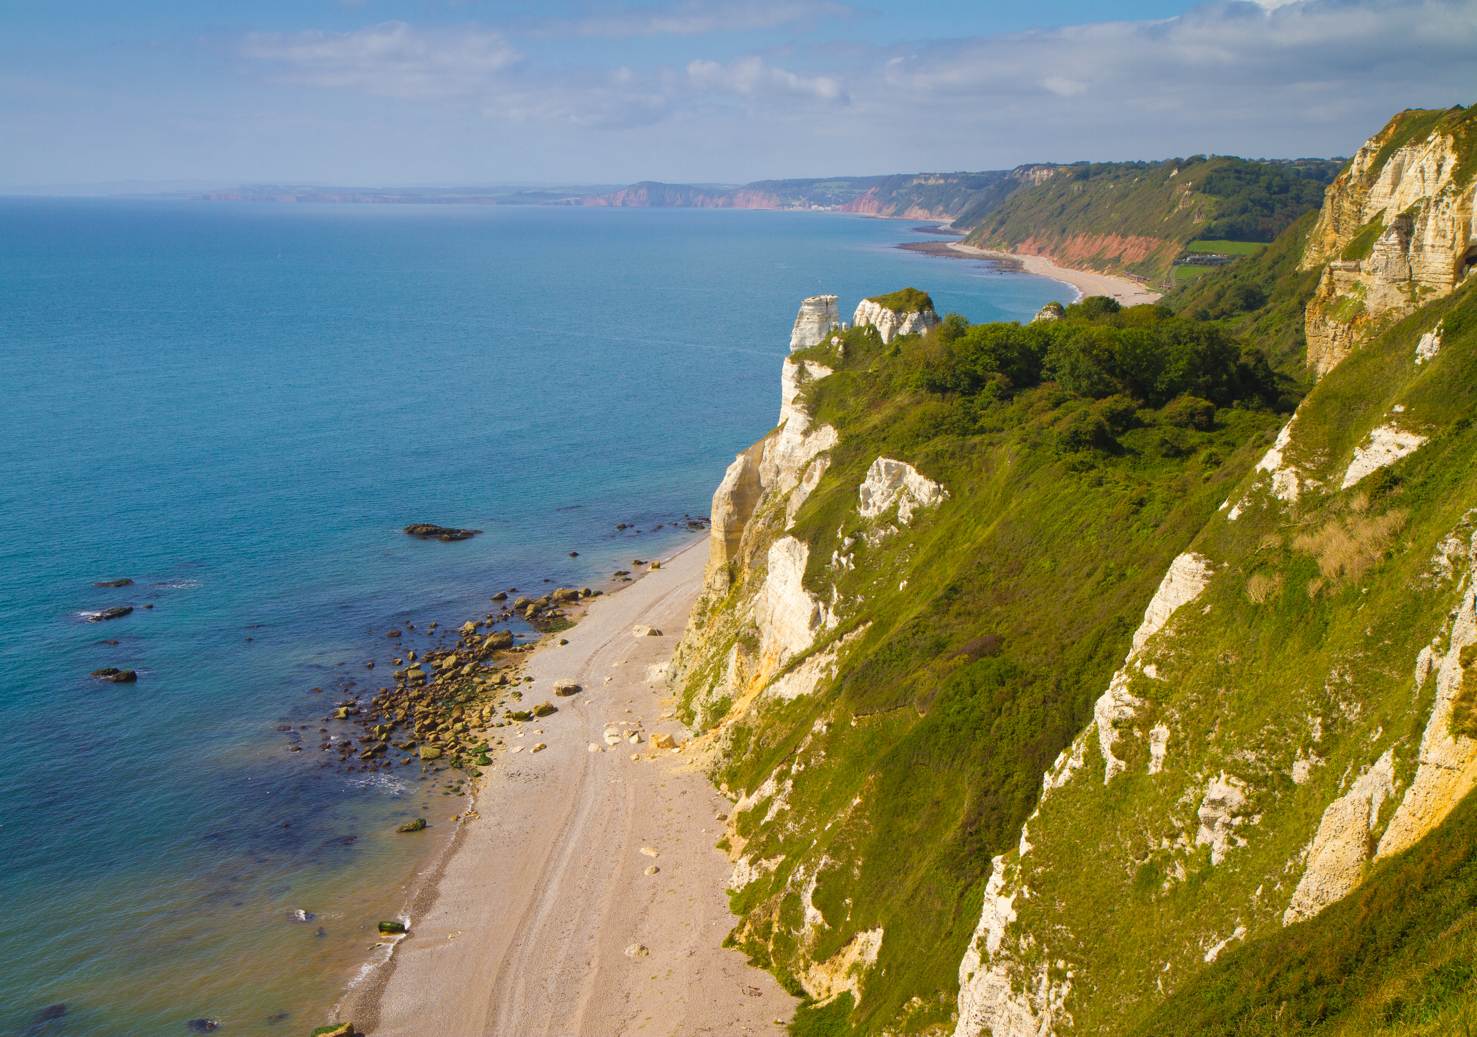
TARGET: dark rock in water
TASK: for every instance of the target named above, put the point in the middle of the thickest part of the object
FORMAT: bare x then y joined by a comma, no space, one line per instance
413,826
111,642
113,675
203,1025
392,928
574,554
149,606
278,1017
116,612
41,1022
500,596
125,582
431,531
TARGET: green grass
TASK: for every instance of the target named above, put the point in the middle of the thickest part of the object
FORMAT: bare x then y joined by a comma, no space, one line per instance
930,752
830,1019
1226,248
1362,243
904,300
1184,274
1395,957
1260,297
1303,643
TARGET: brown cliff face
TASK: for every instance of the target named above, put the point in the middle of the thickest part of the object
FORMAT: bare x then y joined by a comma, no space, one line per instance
1395,232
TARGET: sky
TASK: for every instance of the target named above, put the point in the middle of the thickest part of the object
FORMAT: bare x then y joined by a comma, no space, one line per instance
463,92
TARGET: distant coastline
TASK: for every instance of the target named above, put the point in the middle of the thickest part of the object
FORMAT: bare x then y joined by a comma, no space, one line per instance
1084,282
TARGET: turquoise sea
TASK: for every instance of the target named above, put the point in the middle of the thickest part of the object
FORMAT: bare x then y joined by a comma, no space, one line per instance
238,407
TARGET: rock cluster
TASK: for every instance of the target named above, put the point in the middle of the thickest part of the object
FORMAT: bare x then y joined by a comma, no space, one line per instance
431,531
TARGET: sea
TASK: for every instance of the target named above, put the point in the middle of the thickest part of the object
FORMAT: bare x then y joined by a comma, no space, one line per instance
238,408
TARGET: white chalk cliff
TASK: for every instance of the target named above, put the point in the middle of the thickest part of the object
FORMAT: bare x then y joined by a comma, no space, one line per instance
890,323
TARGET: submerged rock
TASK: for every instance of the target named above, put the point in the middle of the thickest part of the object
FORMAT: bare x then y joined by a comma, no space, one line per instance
124,582
114,675
203,1025
431,531
116,612
417,825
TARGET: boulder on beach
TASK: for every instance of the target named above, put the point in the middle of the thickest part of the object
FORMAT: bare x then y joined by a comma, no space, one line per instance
566,688
116,612
639,630
392,928
431,531
544,709
336,1030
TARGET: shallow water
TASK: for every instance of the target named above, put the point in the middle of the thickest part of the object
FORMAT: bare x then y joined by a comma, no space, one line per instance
239,407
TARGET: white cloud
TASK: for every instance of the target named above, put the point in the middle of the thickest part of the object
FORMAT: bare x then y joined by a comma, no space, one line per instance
1272,61
700,17
754,77
391,59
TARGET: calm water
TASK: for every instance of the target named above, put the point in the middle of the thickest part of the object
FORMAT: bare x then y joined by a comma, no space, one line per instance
238,408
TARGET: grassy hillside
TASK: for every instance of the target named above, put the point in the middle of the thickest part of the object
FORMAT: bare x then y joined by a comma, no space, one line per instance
1079,456
1397,957
1260,297
1138,217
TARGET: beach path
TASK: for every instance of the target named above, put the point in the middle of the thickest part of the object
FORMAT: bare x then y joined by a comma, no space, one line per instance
545,920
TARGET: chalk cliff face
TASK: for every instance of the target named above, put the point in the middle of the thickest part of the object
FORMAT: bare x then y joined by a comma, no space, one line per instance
890,323
1395,232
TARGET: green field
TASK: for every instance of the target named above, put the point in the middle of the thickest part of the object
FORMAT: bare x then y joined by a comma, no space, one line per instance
1226,248
1186,274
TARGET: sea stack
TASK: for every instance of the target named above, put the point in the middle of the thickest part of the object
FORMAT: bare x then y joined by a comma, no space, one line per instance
819,315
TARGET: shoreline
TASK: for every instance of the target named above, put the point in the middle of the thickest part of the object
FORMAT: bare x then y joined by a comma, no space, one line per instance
1084,282
504,908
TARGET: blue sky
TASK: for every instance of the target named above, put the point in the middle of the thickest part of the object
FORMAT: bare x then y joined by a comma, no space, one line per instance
462,92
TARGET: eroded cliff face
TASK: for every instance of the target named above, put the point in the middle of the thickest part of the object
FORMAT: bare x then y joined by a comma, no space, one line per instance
763,632
1291,711
891,323
1297,702
1395,233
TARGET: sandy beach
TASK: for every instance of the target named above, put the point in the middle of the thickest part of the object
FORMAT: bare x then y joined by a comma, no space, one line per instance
1084,282
586,898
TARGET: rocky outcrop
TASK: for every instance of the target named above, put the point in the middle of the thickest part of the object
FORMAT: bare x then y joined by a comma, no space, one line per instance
1343,846
786,615
1395,232
892,483
890,323
1380,449
1447,761
733,505
819,315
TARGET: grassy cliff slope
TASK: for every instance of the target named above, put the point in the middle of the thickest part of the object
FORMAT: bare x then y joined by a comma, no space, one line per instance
1137,217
